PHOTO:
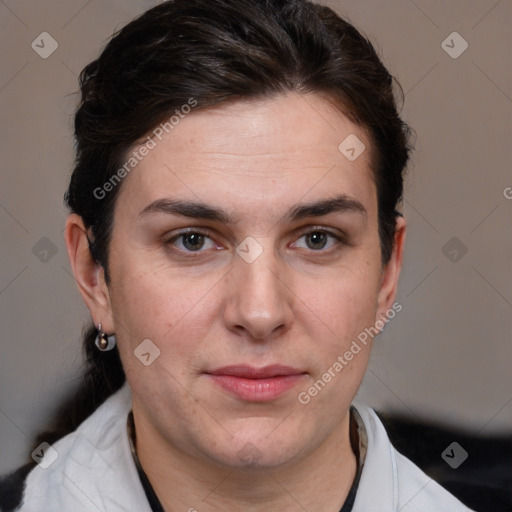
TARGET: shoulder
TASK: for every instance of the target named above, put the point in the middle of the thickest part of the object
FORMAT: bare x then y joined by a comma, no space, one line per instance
87,469
419,492
397,481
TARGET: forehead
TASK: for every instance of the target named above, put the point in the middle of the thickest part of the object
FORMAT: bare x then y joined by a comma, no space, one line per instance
262,152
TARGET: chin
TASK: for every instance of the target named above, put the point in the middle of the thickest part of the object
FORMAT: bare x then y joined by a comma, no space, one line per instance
259,450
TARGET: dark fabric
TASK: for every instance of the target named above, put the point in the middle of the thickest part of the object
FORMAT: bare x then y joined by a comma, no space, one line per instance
354,442
483,482
12,487
351,497
153,500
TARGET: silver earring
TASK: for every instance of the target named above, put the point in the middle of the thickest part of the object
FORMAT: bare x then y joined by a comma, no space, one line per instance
103,341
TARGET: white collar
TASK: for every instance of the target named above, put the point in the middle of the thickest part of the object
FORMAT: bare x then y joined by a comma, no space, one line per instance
95,470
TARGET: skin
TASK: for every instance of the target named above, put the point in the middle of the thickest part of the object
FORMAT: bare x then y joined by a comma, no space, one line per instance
299,303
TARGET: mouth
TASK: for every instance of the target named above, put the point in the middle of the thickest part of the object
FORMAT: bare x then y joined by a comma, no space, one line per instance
256,384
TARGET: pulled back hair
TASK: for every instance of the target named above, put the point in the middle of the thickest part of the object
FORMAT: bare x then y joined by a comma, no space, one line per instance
218,51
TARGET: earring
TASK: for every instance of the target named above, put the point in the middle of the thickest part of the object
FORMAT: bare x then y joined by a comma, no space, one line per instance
103,341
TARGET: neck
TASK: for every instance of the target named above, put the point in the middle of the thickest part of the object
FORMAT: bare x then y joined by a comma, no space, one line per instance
319,481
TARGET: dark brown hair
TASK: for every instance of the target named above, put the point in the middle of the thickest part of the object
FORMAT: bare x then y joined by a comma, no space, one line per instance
217,51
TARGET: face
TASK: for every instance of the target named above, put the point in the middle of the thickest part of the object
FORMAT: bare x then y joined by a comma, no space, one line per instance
245,246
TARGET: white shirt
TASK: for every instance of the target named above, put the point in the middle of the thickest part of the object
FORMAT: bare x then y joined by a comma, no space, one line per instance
95,471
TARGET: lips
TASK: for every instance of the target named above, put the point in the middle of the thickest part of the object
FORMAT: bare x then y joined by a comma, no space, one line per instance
249,372
256,384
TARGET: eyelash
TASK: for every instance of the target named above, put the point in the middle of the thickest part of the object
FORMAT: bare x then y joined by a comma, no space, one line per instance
336,237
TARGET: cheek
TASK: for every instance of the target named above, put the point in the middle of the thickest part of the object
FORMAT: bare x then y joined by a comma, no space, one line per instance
343,311
141,305
342,304
170,310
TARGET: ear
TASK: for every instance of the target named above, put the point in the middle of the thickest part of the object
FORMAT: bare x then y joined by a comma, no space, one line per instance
89,274
391,271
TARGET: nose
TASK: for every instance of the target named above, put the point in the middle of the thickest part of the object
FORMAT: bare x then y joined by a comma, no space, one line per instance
259,302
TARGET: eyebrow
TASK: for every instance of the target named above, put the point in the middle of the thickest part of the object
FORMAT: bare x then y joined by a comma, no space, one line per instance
198,210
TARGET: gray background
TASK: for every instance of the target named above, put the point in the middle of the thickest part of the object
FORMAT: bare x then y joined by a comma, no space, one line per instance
446,357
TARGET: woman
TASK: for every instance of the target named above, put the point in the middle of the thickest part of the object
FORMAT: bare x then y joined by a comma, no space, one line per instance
234,233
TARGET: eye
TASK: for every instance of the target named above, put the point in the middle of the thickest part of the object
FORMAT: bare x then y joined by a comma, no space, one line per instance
191,241
319,240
